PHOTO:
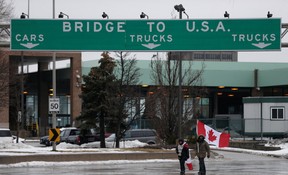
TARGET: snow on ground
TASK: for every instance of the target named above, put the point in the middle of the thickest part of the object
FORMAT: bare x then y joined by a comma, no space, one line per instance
62,148
282,143
13,149
84,163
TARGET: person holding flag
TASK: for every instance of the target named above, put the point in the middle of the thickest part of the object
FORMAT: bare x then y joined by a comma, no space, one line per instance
213,137
208,136
202,150
182,150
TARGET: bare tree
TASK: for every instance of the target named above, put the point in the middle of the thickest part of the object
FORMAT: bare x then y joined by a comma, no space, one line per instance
4,79
163,105
6,10
5,14
127,74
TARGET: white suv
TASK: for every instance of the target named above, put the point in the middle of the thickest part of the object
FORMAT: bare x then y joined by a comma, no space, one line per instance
5,136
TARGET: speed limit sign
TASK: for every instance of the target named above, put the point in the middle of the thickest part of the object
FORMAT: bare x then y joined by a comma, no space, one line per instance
54,105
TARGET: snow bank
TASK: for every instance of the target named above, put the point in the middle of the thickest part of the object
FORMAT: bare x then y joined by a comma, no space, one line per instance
65,148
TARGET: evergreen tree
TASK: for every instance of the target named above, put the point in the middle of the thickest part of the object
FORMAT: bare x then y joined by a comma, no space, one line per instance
98,95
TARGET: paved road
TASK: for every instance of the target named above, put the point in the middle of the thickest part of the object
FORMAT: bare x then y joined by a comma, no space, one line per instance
228,164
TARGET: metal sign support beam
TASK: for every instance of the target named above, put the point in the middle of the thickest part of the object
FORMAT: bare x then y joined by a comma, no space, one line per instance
54,83
285,27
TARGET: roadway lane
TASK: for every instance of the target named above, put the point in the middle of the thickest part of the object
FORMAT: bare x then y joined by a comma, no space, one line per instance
227,163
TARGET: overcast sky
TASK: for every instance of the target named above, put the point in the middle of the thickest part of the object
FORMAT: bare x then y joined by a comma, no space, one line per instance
164,9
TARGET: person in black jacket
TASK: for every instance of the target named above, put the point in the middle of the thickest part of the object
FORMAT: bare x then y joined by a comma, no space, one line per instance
182,151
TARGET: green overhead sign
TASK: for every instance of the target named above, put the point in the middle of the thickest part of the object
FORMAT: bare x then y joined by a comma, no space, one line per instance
146,35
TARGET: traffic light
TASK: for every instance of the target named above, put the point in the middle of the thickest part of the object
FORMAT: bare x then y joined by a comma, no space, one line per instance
51,92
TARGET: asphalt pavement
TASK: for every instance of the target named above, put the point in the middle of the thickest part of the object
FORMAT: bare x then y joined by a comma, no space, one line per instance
226,163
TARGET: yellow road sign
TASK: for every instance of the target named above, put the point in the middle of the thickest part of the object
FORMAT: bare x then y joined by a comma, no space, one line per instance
54,135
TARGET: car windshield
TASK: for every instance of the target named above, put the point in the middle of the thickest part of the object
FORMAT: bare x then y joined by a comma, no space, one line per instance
5,133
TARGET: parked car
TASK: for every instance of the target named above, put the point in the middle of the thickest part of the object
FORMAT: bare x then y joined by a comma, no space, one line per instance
65,133
45,139
85,136
5,136
148,136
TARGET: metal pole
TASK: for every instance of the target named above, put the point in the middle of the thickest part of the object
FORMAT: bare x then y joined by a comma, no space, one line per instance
180,91
261,122
54,83
28,7
22,89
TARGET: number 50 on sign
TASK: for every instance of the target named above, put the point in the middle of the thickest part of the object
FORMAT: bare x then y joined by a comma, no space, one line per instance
54,105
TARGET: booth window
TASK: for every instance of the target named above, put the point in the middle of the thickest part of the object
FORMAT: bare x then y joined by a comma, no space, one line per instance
277,113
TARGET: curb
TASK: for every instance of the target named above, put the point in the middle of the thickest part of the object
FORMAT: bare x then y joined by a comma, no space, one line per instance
85,157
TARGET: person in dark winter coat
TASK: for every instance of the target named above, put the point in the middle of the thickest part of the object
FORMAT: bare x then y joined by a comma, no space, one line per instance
182,151
202,150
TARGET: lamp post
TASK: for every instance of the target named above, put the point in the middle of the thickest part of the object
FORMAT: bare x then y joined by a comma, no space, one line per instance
143,15
269,15
226,15
54,122
21,114
24,15
61,15
180,9
104,15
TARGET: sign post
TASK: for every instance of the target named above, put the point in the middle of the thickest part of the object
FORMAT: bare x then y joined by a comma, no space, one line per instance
54,135
54,105
146,35
54,81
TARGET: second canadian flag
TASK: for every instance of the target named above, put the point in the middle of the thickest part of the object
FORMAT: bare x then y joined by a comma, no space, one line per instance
212,136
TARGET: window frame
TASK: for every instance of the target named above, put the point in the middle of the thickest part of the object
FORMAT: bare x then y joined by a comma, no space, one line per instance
277,117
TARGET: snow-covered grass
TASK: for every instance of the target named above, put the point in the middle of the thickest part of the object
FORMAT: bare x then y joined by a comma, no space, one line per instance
14,149
62,148
282,143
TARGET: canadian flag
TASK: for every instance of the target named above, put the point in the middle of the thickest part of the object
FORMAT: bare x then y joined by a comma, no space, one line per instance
212,136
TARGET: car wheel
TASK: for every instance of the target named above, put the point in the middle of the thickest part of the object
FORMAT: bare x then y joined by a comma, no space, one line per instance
48,143
151,143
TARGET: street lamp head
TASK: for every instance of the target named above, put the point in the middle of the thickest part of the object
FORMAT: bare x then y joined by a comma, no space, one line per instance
24,15
269,15
226,14
179,8
143,15
104,15
61,15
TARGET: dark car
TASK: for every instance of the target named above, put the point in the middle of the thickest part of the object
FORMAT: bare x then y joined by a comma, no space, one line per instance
45,139
85,136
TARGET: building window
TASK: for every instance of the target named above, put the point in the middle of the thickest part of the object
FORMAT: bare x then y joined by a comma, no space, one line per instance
277,113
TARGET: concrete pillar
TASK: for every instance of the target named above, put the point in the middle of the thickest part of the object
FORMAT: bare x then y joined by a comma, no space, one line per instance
42,99
75,87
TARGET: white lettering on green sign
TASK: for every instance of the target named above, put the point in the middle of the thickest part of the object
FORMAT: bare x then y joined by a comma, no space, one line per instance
191,26
96,27
128,35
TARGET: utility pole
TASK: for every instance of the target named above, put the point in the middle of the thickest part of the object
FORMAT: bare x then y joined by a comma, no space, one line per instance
54,83
180,9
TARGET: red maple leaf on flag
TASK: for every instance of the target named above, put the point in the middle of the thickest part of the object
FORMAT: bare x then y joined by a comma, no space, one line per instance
211,136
